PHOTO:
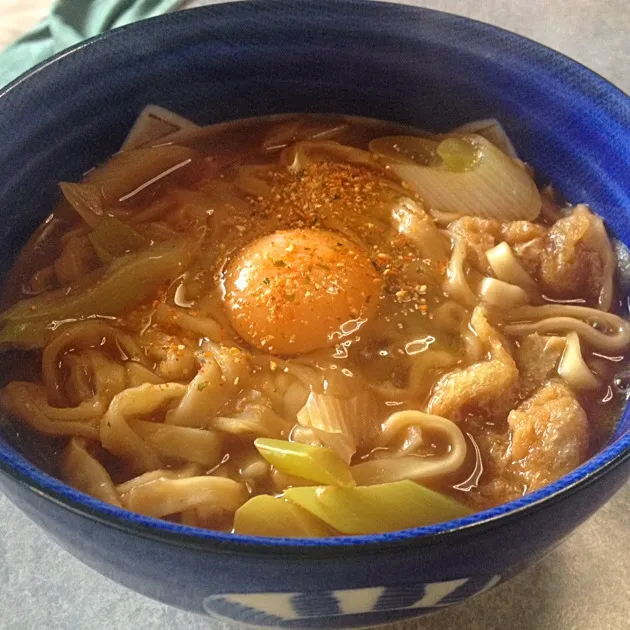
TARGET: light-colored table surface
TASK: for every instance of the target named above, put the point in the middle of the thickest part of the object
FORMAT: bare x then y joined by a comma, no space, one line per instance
584,584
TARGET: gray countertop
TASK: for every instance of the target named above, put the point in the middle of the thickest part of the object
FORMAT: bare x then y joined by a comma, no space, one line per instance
584,583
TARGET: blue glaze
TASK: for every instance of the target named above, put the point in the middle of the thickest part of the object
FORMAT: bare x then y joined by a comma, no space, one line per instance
387,61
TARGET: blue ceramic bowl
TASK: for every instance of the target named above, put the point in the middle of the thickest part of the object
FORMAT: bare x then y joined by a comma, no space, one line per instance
386,61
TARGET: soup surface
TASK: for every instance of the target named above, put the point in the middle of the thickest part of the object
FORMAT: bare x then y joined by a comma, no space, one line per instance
311,326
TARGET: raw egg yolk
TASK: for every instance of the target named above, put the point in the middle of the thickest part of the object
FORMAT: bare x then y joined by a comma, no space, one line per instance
295,291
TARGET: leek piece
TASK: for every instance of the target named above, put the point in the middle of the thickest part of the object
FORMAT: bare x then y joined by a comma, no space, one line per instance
24,334
453,153
109,291
131,172
373,509
341,424
265,515
409,149
101,253
112,238
155,123
492,187
316,463
491,129
85,199
457,154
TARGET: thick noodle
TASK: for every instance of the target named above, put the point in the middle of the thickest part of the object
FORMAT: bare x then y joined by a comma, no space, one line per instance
385,470
83,335
565,318
28,401
118,436
456,284
86,473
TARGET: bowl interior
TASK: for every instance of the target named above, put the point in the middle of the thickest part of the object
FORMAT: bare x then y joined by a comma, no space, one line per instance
395,62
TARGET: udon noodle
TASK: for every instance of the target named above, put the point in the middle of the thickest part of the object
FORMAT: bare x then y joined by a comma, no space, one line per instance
312,326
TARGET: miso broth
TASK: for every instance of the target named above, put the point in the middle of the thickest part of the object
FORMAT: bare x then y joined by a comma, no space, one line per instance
312,325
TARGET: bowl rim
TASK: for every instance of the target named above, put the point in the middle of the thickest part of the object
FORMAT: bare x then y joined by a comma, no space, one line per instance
601,464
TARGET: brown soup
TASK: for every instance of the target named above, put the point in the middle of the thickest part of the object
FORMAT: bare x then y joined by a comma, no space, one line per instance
313,325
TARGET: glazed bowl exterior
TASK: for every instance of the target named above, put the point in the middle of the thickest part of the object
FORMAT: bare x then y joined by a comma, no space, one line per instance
394,62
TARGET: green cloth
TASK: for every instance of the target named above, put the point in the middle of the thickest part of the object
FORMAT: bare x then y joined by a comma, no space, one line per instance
70,22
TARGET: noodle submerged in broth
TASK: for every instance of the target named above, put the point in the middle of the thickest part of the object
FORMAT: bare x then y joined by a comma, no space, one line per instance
313,326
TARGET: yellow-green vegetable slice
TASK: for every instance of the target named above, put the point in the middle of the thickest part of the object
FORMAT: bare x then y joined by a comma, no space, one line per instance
457,154
112,238
265,515
410,149
140,169
85,199
315,463
381,508
27,334
109,291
